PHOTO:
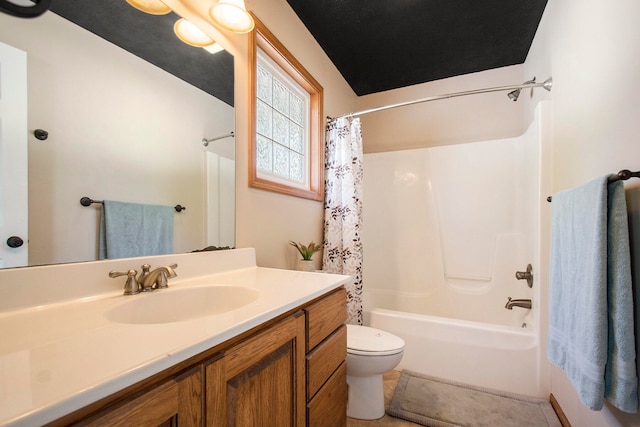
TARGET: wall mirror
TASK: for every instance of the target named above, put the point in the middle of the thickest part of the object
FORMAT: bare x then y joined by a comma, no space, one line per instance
126,106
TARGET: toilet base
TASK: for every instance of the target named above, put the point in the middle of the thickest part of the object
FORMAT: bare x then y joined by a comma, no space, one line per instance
366,397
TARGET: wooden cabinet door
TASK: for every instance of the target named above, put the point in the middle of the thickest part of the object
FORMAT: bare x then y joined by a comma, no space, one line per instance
328,408
261,381
175,402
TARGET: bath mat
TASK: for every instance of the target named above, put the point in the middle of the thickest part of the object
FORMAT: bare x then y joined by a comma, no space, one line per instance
435,402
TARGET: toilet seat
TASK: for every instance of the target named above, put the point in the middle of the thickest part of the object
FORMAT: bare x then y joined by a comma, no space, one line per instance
368,341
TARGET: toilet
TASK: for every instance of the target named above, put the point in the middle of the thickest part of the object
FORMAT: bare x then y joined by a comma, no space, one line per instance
370,353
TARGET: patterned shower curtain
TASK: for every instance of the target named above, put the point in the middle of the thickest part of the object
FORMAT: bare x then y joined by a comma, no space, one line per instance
343,209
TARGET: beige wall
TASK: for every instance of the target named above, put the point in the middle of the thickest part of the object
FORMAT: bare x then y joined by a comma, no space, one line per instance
266,220
592,49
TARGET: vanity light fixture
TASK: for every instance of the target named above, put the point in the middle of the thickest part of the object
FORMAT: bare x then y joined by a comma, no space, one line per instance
232,15
152,7
190,34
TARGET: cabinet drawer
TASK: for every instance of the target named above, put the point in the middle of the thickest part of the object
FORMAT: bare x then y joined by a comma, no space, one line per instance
329,406
325,316
324,360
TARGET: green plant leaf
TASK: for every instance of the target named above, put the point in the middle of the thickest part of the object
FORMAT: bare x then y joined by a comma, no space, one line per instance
306,251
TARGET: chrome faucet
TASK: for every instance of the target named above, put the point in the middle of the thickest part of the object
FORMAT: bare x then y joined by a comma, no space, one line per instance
148,280
156,279
524,303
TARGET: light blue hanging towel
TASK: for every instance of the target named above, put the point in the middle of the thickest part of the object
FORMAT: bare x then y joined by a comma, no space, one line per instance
132,230
591,325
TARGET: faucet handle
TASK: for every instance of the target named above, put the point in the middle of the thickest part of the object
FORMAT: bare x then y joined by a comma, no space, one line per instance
163,279
131,286
526,275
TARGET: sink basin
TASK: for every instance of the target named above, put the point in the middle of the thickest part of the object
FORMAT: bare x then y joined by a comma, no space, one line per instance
176,305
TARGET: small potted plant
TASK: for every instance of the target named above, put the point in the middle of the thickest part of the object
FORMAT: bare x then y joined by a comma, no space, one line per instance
306,263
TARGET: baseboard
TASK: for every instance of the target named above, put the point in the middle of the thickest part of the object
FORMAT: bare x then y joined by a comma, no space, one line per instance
559,412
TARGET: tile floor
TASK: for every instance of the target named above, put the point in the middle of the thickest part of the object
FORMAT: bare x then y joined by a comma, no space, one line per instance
390,382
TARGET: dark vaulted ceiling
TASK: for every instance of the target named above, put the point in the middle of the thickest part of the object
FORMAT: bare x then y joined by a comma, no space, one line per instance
379,45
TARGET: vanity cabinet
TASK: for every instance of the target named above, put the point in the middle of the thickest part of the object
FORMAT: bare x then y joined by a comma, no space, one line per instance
289,371
260,382
178,400
325,361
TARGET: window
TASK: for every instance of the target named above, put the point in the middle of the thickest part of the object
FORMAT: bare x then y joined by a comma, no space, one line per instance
286,154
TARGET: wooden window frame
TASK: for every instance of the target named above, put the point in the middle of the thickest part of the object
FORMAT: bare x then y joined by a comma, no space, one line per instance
263,38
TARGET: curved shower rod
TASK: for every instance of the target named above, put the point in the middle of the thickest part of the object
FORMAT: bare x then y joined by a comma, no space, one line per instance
547,84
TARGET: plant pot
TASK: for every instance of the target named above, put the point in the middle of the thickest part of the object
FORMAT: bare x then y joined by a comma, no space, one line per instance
306,265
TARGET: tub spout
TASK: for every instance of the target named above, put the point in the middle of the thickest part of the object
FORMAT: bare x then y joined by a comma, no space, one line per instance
524,303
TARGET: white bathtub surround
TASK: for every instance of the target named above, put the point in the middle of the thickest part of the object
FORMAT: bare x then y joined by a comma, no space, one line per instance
63,344
446,229
343,209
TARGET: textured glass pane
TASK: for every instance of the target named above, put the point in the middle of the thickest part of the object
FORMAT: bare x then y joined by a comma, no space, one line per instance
280,97
297,110
280,129
280,161
264,85
263,121
296,167
296,141
264,154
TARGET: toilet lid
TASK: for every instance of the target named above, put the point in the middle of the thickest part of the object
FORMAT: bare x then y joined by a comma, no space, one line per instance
366,340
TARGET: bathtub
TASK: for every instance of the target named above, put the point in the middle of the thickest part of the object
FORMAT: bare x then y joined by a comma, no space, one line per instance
488,355
484,306
445,230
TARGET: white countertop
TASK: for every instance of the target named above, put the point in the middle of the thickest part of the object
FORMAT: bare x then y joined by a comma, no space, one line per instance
58,357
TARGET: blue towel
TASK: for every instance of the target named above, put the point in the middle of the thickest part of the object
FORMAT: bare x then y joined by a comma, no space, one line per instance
132,230
591,326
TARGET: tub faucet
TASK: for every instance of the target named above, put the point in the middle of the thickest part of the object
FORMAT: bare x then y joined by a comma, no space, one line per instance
158,278
524,303
526,275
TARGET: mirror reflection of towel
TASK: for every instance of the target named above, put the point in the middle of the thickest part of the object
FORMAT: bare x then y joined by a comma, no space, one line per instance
132,230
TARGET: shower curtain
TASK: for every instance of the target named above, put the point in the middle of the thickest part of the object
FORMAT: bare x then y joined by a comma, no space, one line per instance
343,209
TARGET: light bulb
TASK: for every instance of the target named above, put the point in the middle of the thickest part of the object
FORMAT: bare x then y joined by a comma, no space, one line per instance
232,15
190,34
153,7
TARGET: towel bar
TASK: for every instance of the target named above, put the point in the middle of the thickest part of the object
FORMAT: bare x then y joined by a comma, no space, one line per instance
87,201
623,175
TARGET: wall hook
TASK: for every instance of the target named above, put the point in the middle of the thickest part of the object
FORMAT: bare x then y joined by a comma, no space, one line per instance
41,134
